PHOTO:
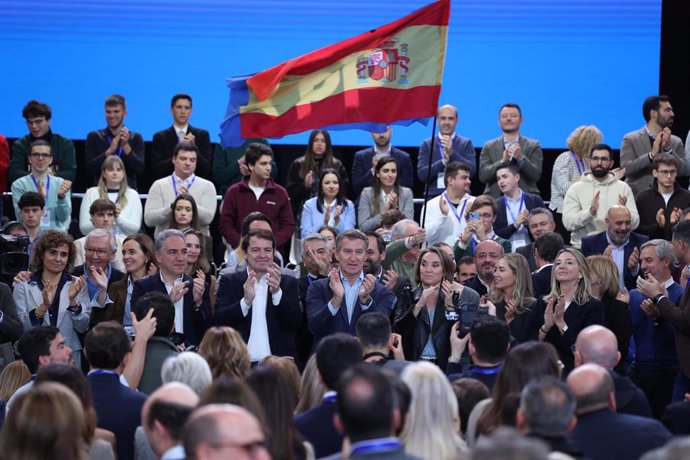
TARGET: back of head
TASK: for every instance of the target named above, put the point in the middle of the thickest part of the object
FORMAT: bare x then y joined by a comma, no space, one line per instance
225,351
373,330
592,385
598,345
170,406
490,338
505,443
548,406
549,245
334,355
311,388
233,391
163,311
188,368
106,345
13,376
524,363
468,392
34,344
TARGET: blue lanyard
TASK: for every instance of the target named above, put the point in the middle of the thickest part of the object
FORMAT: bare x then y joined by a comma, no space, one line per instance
38,188
189,183
577,163
455,209
376,446
119,148
103,372
486,370
522,203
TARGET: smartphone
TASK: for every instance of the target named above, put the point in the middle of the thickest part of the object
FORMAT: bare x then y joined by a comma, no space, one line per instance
474,215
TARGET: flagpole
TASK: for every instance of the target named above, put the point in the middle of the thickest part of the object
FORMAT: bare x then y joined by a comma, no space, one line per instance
428,174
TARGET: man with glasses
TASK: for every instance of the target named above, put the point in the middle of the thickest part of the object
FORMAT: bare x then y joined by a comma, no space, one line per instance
63,163
661,205
54,190
587,202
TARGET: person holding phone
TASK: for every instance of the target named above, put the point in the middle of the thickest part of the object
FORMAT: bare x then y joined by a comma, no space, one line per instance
480,226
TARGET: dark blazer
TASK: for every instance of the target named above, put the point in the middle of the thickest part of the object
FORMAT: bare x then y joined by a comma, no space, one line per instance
463,150
524,326
530,167
597,243
501,226
541,281
528,252
680,318
164,143
477,285
10,326
323,323
97,142
195,321
316,425
604,435
618,320
677,418
361,169
629,398
119,410
282,319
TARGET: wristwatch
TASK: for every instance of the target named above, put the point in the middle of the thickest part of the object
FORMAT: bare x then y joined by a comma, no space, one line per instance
658,297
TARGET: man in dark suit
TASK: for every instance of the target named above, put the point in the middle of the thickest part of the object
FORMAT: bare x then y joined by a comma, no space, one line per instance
620,243
379,343
190,295
513,207
10,326
539,221
601,432
334,355
486,255
259,303
118,407
365,161
165,141
334,304
546,248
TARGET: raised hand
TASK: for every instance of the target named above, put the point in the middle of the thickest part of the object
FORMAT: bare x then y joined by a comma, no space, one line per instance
608,252
675,215
198,287
390,279
309,179
443,204
48,293
336,287
427,294
366,288
337,213
634,259
549,314
77,284
511,309
21,277
98,275
274,278
447,147
64,188
623,295
594,207
250,288
649,287
178,291
395,346
559,312
521,218
146,327
516,151
649,309
661,217
622,199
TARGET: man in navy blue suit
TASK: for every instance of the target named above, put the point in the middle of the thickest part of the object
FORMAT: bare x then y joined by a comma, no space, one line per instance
190,295
334,304
258,302
546,249
620,243
365,161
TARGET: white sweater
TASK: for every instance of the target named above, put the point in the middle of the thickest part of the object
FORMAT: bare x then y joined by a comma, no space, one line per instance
129,221
444,228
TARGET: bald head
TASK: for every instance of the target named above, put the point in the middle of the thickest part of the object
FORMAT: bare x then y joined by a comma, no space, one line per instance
618,211
618,224
597,344
486,254
593,388
164,414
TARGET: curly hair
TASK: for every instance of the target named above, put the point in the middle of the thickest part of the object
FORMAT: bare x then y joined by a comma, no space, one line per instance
225,352
581,141
52,239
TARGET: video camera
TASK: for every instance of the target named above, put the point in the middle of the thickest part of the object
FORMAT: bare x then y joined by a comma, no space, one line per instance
14,257
465,313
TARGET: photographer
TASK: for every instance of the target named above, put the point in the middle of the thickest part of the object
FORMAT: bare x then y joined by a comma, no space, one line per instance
378,343
422,319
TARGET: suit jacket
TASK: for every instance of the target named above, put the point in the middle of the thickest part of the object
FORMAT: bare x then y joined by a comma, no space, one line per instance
361,169
463,150
322,322
530,167
680,318
677,418
10,326
501,225
164,143
119,410
282,320
316,425
528,252
604,435
541,281
597,243
195,321
629,398
304,339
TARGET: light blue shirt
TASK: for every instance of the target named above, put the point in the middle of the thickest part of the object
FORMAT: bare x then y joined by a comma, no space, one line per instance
351,294
618,255
59,210
429,349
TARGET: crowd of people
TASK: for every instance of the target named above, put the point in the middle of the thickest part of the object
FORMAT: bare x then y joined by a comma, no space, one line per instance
337,325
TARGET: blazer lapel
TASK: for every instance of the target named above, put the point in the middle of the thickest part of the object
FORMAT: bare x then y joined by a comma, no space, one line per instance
64,302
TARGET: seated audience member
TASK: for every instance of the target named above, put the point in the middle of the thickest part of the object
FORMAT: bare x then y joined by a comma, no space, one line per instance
489,341
11,325
512,148
603,276
226,353
598,345
403,250
514,206
118,407
14,376
62,160
379,343
198,261
445,217
366,162
655,365
335,304
115,140
113,186
335,354
539,221
465,269
328,207
546,248
189,295
163,419
482,215
376,254
54,189
505,442
619,243
588,201
188,368
31,209
60,415
311,387
185,214
601,432
225,426
384,194
468,391
52,297
102,213
183,181
257,192
166,141
230,164
487,253
661,205
435,153
234,391
235,259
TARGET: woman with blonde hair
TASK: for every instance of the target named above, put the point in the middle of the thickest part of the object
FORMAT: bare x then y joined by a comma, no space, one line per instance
432,430
311,388
13,376
226,353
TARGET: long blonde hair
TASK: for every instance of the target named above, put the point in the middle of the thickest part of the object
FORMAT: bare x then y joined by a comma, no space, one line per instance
522,292
110,163
583,294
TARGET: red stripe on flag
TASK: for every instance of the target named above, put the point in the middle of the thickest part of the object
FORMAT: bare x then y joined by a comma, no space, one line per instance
384,105
263,83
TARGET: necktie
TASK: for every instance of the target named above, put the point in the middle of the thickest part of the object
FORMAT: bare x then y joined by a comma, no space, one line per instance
180,135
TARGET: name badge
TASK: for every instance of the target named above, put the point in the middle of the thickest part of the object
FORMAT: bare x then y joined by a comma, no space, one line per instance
439,180
45,220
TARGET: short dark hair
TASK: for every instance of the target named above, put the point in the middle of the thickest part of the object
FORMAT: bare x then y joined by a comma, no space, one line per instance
380,242
373,330
512,167
682,231
334,355
485,200
36,343
548,405
252,217
114,100
262,234
652,103
365,403
171,415
512,105
602,147
163,311
40,143
549,245
102,205
664,159
35,109
30,199
255,151
490,337
187,146
466,260
452,169
106,345
180,96
468,391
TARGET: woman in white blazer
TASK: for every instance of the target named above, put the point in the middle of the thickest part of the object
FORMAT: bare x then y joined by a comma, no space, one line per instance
385,194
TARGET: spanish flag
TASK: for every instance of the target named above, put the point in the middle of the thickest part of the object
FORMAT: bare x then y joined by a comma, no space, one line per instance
389,75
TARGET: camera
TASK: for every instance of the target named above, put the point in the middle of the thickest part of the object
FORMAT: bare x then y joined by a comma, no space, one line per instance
14,258
465,313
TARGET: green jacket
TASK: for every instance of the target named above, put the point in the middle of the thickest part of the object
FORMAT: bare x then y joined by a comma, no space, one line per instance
158,349
64,158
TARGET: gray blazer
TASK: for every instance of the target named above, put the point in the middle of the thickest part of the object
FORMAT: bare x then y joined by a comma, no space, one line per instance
368,222
530,165
634,158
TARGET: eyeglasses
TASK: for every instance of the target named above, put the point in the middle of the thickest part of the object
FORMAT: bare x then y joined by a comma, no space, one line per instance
599,159
42,156
35,121
99,252
667,172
